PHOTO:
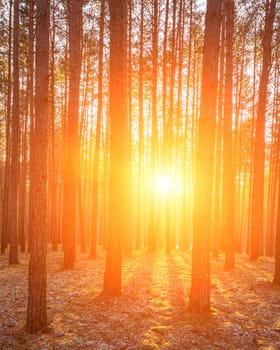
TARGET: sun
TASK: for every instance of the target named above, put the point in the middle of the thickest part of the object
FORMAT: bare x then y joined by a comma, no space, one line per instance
164,183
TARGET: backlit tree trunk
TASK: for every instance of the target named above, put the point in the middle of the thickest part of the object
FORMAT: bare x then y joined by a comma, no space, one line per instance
15,142
36,308
152,238
276,278
22,188
119,137
6,194
72,164
140,197
31,111
200,284
259,142
97,136
53,227
216,239
228,170
169,128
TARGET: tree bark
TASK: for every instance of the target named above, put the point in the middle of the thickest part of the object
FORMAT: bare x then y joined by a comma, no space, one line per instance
200,284
15,142
228,169
72,161
152,234
31,112
140,197
259,142
276,277
94,213
119,137
53,222
37,284
6,192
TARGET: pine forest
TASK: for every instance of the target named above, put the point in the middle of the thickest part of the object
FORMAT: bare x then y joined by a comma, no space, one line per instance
139,174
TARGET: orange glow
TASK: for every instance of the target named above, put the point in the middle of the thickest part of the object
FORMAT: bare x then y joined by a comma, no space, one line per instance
164,183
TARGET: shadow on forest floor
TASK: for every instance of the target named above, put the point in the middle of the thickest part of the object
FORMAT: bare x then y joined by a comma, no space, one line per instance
152,311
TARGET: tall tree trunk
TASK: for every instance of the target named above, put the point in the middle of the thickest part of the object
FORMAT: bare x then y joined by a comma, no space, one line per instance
216,233
119,137
22,189
140,197
276,277
6,195
152,242
127,242
164,65
228,170
238,133
36,308
31,114
53,226
200,284
72,161
94,213
273,175
249,231
185,207
259,142
15,140
180,127
168,133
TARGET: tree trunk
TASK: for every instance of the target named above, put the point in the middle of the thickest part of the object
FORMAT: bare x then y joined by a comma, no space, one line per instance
15,140
168,132
31,114
185,206
152,242
217,243
259,142
22,190
53,224
72,163
140,197
6,194
36,308
200,284
276,277
273,166
94,213
119,137
228,170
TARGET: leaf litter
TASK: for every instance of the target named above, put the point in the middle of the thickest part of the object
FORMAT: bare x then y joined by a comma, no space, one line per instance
152,312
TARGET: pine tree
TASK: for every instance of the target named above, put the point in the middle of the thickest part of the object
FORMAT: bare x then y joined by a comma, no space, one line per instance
72,162
37,284
119,137
200,284
259,141
15,141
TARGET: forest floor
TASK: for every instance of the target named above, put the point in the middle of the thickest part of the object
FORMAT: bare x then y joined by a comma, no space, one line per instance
152,311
